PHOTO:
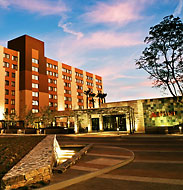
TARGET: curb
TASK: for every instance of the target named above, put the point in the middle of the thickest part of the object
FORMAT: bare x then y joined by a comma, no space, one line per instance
81,178
64,166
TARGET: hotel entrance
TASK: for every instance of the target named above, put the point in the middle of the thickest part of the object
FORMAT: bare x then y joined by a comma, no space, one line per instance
112,122
95,124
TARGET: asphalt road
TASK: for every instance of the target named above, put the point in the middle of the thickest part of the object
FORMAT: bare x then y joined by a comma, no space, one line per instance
158,163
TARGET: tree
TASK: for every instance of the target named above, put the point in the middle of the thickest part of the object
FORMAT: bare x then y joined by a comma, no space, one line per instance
163,58
30,118
10,119
101,97
92,95
87,92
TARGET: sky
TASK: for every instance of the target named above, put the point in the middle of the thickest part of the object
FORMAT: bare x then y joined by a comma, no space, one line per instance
103,37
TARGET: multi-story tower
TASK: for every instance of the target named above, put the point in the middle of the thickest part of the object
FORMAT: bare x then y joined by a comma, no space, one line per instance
31,81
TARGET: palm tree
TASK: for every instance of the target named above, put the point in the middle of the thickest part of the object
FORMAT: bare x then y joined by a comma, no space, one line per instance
92,95
101,97
87,92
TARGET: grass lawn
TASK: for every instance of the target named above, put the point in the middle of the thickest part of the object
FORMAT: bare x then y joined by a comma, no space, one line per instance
13,149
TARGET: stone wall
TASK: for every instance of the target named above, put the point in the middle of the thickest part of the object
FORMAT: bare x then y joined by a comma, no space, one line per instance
36,166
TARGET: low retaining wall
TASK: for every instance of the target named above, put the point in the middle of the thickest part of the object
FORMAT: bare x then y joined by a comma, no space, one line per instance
36,166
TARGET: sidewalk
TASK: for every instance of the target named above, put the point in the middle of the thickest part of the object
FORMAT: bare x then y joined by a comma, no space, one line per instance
100,160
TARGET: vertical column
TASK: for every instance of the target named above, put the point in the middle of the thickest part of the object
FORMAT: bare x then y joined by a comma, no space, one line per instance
101,127
127,123
89,123
76,129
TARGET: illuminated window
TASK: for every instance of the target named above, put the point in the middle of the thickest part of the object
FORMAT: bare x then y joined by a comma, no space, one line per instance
35,61
35,94
68,106
12,102
14,66
51,104
80,87
6,64
35,69
50,96
35,110
34,85
35,103
14,58
7,74
67,91
13,93
13,110
35,77
5,55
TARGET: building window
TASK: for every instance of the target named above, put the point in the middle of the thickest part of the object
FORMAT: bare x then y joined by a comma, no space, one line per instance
6,101
35,103
6,64
35,61
6,82
6,92
79,74
35,69
51,104
35,77
89,78
81,107
55,81
67,84
50,88
14,66
7,74
67,91
13,110
68,106
66,71
50,96
35,110
99,86
99,81
89,83
13,75
80,87
13,83
34,85
80,100
12,102
6,55
13,93
79,81
35,94
55,89
50,80
55,104
14,58
67,98
79,93
55,97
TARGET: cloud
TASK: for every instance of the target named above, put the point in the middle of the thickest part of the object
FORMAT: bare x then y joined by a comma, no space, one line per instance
4,3
118,12
67,30
178,9
43,7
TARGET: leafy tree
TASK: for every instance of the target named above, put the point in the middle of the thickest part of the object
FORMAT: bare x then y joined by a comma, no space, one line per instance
163,58
10,119
47,116
30,119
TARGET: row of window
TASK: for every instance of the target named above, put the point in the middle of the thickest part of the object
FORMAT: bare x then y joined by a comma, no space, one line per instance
66,71
6,64
35,77
66,84
67,98
7,83
68,106
80,100
51,104
79,93
7,74
12,110
99,86
35,60
52,81
67,91
35,85
7,92
14,58
35,102
35,69
89,78
51,66
51,96
35,94
12,101
99,81
78,74
52,73
50,88
66,77
89,83
80,87
79,81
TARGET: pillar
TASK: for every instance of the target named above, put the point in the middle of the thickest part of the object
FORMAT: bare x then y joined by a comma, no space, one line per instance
89,124
76,129
101,127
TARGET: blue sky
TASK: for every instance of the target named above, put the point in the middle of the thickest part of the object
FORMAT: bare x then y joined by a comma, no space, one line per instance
103,37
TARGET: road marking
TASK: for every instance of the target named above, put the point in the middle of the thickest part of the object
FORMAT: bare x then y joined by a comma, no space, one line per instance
159,161
104,161
107,155
82,168
143,179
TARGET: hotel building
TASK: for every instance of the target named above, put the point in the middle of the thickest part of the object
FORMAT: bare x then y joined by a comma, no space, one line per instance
31,81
